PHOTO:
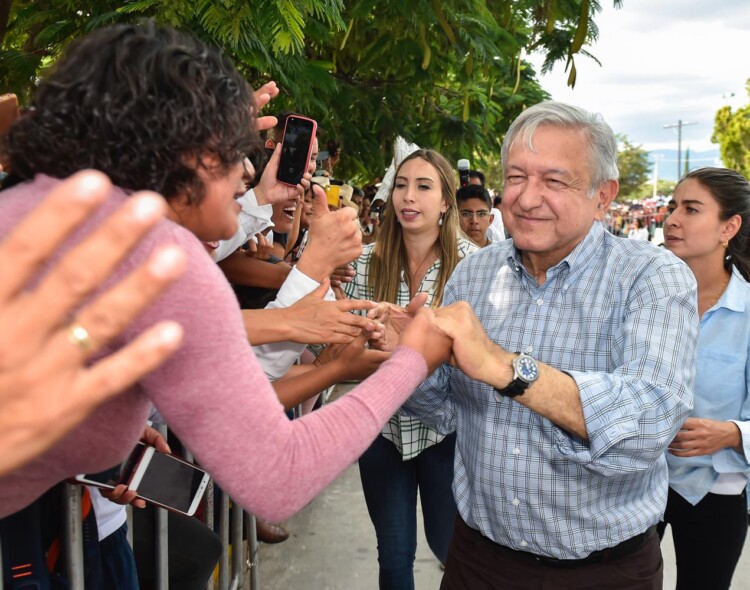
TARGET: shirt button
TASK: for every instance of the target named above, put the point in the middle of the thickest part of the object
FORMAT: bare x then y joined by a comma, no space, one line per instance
565,287
540,301
516,502
516,451
524,544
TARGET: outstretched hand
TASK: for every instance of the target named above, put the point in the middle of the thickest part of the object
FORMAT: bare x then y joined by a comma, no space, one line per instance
358,361
473,352
423,335
46,386
317,321
395,320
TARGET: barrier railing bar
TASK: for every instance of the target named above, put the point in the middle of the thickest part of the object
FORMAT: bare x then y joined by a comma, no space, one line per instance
1,566
161,545
224,536
73,536
161,542
209,514
129,522
252,546
237,551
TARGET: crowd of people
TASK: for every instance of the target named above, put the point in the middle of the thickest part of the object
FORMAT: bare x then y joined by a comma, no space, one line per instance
554,394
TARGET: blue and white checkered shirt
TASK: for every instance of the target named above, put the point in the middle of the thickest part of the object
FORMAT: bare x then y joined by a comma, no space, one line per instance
620,317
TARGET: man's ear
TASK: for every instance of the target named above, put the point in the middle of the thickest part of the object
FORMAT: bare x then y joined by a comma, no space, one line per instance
604,196
492,218
270,144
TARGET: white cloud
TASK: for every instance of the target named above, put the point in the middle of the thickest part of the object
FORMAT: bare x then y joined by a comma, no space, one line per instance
662,61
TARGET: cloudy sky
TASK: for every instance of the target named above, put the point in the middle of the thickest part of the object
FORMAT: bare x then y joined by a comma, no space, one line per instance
663,60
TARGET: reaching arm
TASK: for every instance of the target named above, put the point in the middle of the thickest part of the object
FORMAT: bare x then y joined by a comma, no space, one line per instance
246,270
311,320
338,363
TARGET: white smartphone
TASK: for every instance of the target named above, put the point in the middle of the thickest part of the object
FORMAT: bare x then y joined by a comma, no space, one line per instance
109,478
168,481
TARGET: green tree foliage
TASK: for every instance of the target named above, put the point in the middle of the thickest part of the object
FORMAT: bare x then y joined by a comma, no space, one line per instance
732,133
447,74
665,187
632,160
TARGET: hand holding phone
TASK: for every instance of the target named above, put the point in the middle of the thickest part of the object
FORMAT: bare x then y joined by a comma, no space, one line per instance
169,482
159,478
296,149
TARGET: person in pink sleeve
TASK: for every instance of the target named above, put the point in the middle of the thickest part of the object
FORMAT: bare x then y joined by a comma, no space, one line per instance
156,109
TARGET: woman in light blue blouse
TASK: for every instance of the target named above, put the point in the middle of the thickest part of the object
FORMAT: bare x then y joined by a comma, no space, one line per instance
708,459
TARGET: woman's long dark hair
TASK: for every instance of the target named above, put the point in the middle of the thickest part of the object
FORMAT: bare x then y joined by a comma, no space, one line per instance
144,104
732,193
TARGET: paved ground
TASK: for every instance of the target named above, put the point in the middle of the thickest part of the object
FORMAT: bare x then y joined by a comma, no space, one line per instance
332,547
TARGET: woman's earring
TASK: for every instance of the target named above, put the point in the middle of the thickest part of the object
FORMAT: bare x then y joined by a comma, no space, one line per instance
440,221
726,247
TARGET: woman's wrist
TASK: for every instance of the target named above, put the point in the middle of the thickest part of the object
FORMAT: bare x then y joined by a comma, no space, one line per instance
733,436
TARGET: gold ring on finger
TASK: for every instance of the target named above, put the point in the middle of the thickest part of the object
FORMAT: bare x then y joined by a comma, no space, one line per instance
79,336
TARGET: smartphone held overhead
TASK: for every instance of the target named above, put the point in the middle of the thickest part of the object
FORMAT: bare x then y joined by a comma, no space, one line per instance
158,478
296,149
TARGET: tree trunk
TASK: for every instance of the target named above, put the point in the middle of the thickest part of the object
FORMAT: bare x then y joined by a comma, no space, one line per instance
4,16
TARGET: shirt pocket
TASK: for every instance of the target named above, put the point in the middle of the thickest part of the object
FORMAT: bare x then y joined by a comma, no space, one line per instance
719,379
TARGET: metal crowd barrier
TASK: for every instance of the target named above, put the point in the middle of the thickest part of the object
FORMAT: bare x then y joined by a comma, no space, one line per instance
231,569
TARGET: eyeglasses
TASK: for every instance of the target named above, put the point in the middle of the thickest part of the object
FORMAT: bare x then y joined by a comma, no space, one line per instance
466,214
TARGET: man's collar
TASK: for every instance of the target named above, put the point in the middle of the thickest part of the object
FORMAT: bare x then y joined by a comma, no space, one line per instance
580,257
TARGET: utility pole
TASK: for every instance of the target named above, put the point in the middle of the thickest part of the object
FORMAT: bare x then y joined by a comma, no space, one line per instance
680,124
656,158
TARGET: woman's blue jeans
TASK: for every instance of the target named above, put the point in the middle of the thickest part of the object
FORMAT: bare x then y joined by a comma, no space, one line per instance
390,486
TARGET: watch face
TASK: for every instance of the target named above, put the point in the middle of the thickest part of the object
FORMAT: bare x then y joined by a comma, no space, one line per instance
527,369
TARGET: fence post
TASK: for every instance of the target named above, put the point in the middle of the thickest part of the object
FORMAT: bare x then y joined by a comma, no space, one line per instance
237,551
224,536
161,542
209,514
161,545
252,546
73,535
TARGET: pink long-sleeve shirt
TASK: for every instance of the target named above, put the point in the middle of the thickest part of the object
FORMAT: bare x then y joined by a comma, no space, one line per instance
212,392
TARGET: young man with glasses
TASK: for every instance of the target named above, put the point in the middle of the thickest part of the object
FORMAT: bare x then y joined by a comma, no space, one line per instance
475,213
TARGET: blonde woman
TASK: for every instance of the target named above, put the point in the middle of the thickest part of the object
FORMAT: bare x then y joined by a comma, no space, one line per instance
418,247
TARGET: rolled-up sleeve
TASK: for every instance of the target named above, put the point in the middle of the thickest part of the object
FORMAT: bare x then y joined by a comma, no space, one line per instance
633,412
